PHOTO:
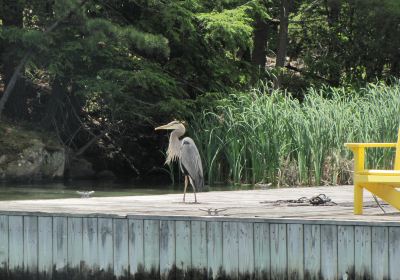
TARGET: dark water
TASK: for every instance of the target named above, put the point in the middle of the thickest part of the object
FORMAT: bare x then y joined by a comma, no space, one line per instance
102,189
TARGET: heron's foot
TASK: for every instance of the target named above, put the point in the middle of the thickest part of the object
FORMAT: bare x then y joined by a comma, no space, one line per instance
195,202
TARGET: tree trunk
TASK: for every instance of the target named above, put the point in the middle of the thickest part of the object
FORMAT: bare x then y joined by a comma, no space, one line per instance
333,7
282,38
258,57
333,12
283,33
395,65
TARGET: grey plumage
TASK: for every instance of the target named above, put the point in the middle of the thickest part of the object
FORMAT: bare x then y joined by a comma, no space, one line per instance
190,160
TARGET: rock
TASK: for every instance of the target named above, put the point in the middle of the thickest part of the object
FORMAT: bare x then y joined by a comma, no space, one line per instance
28,155
3,159
34,163
105,174
80,169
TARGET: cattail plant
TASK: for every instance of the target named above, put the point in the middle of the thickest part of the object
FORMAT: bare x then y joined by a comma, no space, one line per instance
265,135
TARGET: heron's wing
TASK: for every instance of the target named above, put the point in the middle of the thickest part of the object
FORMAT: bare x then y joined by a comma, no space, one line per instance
191,162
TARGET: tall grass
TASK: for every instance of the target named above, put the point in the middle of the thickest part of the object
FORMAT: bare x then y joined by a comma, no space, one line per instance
265,136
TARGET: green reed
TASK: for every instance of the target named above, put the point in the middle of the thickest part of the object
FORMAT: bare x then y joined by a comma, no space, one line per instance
266,136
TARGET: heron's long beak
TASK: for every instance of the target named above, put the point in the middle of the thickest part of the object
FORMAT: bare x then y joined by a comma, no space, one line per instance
166,126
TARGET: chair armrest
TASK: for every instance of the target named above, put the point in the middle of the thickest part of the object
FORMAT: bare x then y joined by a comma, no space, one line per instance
370,145
359,152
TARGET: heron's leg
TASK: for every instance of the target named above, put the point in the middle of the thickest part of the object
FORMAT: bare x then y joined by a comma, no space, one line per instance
184,191
194,191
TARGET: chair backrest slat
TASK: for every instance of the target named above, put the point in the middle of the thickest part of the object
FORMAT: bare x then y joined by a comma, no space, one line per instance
397,156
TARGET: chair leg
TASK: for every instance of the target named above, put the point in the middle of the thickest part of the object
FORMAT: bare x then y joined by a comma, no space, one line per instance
358,199
388,193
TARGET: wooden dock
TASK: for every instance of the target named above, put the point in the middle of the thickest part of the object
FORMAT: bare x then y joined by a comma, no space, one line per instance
259,235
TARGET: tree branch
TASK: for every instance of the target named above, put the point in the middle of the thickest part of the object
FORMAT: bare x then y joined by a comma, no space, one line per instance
88,144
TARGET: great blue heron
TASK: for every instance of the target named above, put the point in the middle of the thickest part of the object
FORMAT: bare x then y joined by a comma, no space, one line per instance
186,152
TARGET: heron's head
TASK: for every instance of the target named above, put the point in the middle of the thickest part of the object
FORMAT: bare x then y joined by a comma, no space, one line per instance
171,126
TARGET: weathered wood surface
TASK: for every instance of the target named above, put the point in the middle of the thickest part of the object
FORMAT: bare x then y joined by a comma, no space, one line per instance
3,240
295,251
312,251
262,259
214,248
329,253
135,245
15,242
394,253
230,249
60,243
255,204
30,243
105,244
45,246
237,249
120,249
199,244
75,240
167,247
252,239
345,251
362,235
151,248
278,239
90,246
183,245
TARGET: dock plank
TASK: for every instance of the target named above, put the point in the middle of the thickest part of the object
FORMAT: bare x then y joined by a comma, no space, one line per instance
60,243
230,249
262,260
121,252
45,247
329,255
380,253
151,250
246,250
346,252
362,262
312,251
295,251
199,244
136,246
167,248
90,249
105,244
16,242
394,253
30,244
214,248
278,248
75,240
4,241
183,246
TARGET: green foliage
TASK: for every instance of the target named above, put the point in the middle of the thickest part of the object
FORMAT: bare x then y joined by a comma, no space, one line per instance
352,42
230,28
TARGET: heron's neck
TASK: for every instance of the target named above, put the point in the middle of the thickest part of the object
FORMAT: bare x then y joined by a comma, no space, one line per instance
174,146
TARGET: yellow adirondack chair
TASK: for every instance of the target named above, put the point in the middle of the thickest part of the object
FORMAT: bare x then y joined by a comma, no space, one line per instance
382,183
